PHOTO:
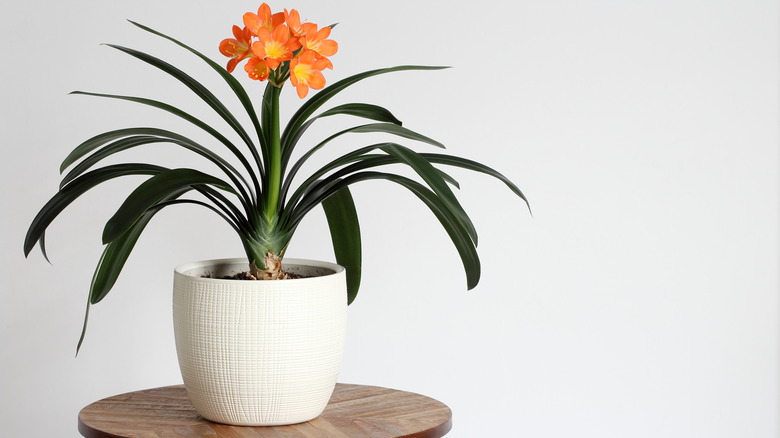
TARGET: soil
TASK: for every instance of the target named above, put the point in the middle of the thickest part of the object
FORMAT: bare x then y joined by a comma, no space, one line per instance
245,276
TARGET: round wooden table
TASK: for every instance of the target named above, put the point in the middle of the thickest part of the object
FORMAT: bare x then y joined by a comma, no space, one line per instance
353,411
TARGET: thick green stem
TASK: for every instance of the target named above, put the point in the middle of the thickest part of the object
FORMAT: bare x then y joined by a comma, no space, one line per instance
265,248
274,166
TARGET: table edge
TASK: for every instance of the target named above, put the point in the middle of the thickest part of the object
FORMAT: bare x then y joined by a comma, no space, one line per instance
437,432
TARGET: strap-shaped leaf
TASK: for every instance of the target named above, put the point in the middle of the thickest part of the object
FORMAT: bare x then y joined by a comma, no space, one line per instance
177,112
345,235
310,194
112,148
388,128
398,130
102,139
113,260
364,110
464,163
161,136
315,178
42,244
72,191
370,161
99,140
224,214
196,87
221,202
236,86
152,191
320,98
433,178
350,163
451,223
116,253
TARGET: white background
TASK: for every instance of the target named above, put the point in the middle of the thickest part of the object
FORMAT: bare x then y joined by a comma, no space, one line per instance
640,300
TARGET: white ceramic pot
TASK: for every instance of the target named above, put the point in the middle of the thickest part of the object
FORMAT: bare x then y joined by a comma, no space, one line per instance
259,353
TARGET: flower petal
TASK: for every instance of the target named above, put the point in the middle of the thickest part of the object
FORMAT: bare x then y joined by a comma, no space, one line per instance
252,22
302,90
323,63
257,69
327,48
238,32
228,47
232,63
293,20
258,48
272,63
281,34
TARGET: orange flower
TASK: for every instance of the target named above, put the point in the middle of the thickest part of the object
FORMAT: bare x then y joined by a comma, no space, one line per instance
306,72
318,42
293,20
257,69
263,19
237,48
275,47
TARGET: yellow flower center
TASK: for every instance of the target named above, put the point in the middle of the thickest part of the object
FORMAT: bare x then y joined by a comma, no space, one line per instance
274,49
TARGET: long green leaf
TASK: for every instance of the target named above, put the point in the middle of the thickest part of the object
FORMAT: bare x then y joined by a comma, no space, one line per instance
400,131
164,137
433,178
152,191
72,191
223,203
112,261
320,98
112,148
368,161
355,161
451,223
177,112
388,128
345,234
196,87
236,86
42,244
229,218
364,110
464,163
315,177
202,92
99,140
116,253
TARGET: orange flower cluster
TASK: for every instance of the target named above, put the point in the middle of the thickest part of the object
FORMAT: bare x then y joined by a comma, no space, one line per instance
280,46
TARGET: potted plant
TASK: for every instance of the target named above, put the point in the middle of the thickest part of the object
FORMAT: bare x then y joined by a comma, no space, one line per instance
265,348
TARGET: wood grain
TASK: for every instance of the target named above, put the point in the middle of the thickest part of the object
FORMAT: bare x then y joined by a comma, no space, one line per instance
354,411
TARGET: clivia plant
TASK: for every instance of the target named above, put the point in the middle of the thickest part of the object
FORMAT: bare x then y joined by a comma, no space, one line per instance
256,191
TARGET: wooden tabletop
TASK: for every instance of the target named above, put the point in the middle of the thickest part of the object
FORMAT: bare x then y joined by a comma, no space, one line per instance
353,411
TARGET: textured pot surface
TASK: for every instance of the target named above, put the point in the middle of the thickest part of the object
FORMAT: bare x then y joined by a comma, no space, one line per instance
259,352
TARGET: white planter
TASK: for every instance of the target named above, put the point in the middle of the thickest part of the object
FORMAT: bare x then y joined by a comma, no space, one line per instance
259,353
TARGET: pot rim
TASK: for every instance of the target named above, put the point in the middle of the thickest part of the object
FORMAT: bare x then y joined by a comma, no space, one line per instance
184,268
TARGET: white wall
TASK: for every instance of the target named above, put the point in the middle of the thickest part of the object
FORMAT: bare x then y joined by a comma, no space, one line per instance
641,300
